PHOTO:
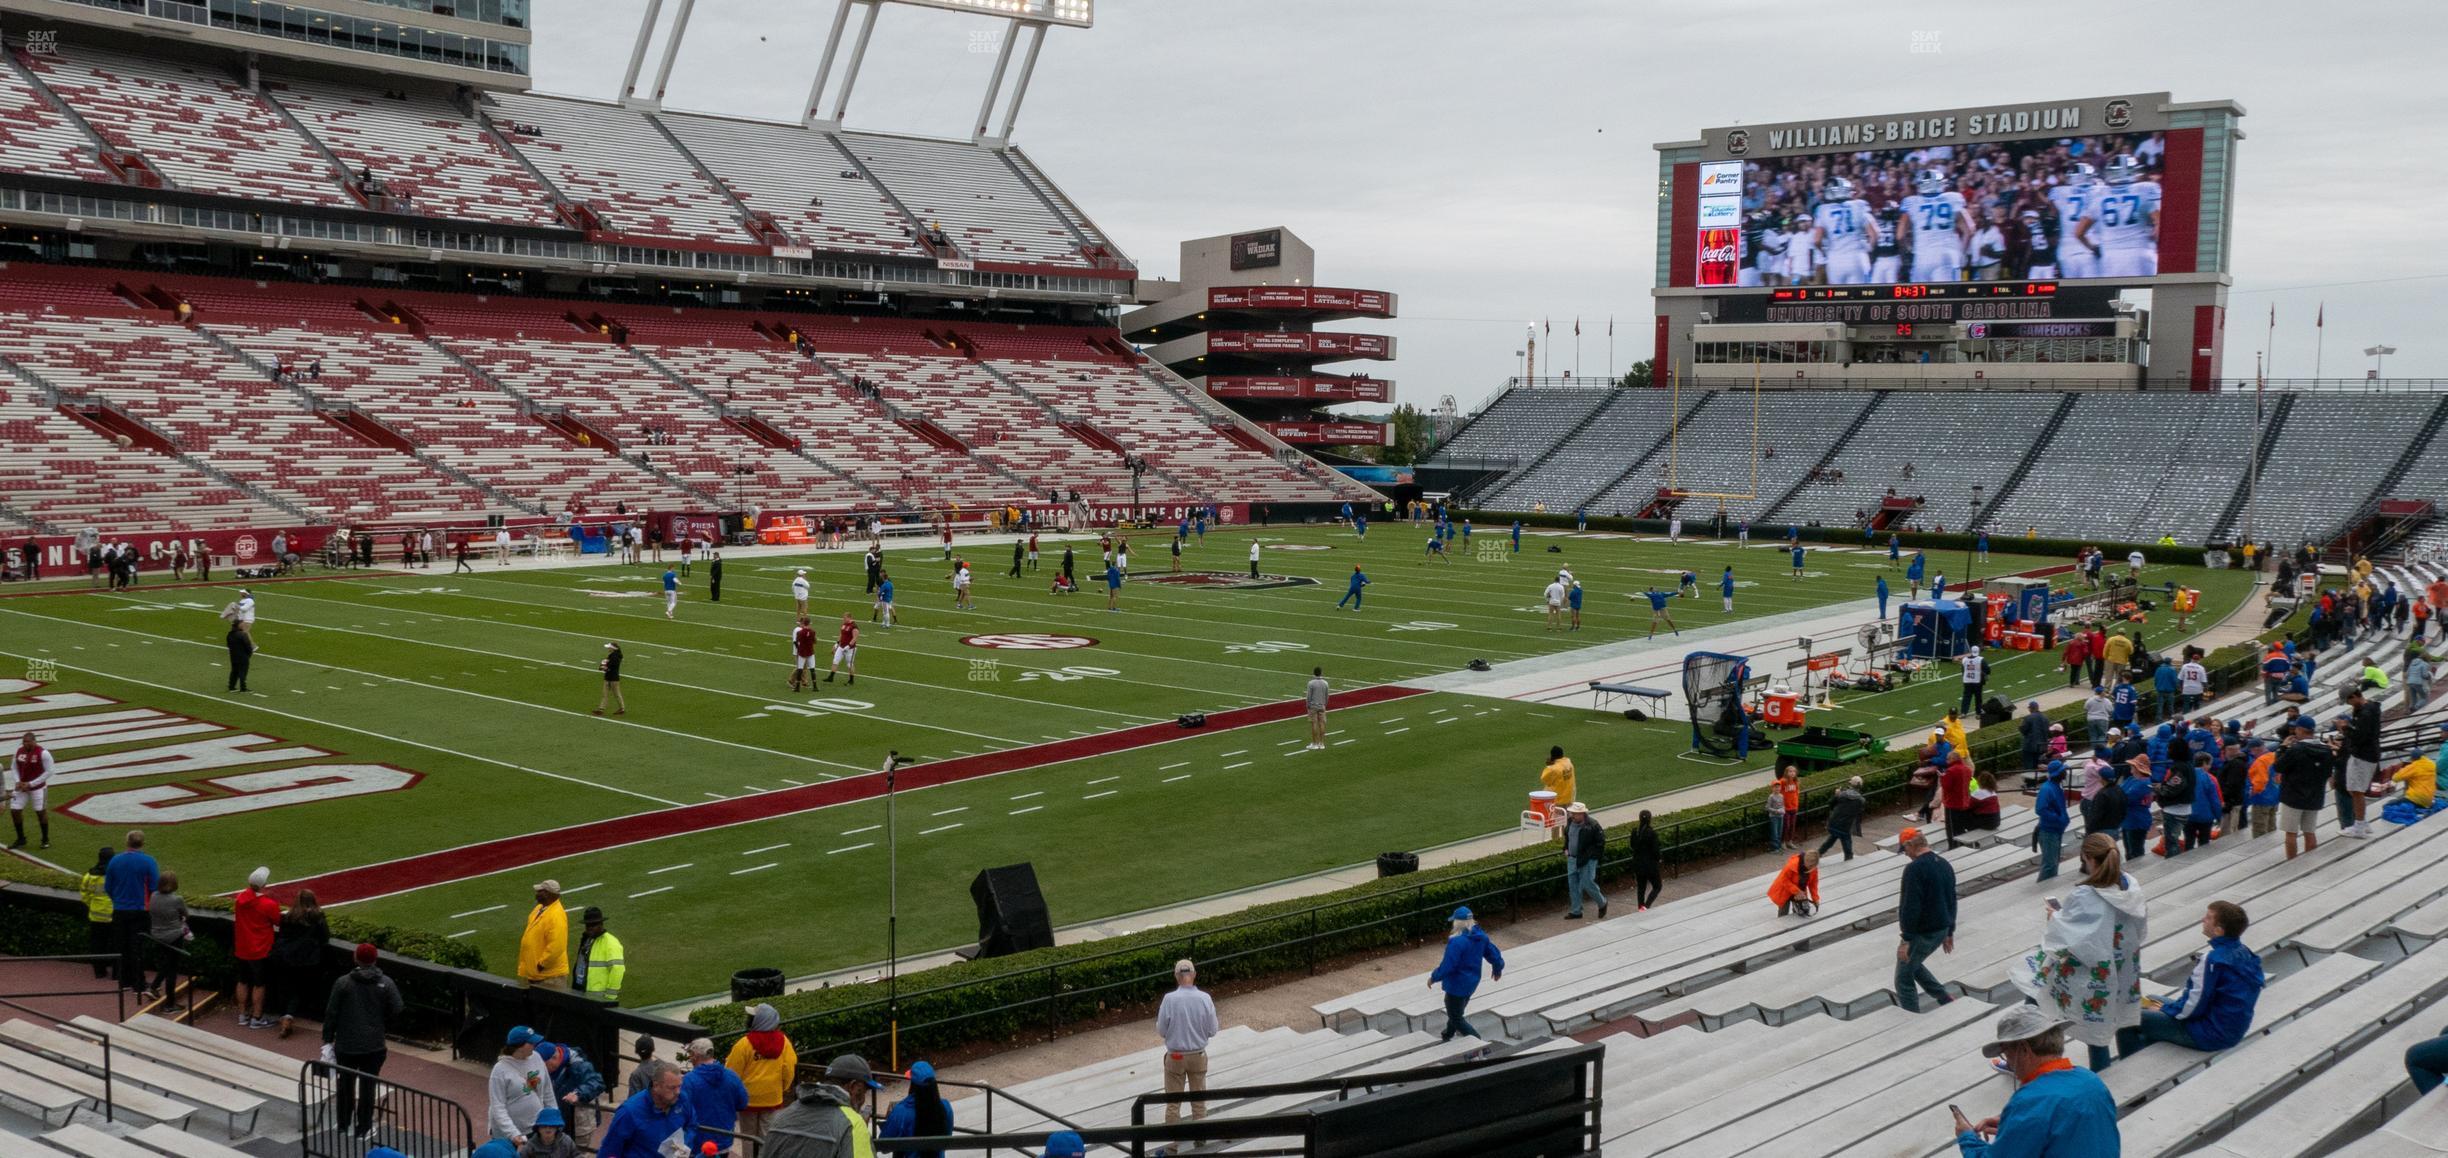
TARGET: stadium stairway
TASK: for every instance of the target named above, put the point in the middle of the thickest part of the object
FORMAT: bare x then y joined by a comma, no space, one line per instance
1532,466
2272,426
1062,419
2033,456
715,405
1878,400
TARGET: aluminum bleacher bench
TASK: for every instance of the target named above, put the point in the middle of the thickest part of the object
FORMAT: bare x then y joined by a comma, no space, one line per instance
2338,1097
123,1095
20,1146
181,1144
279,1065
87,1142
45,1098
184,1086
1602,692
236,1075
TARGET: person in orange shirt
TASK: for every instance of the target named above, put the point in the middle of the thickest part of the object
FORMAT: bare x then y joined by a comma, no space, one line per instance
1789,785
1796,888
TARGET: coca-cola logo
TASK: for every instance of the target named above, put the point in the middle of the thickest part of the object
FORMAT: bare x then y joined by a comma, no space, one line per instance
1720,251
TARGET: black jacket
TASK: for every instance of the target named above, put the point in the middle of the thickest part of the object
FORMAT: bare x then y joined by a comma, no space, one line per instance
1928,902
1585,841
2104,810
2035,729
2363,732
2302,769
360,1010
1844,815
1645,853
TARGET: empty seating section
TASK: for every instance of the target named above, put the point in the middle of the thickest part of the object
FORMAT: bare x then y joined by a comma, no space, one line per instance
1615,439
796,397
197,127
61,471
617,163
463,422
971,195
1715,450
422,149
1001,425
228,415
2333,450
1155,425
802,180
1952,441
35,138
2132,466
609,388
1523,423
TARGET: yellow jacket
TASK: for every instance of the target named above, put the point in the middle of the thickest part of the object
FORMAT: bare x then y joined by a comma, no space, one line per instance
97,901
2421,778
768,1078
544,947
1954,730
1558,778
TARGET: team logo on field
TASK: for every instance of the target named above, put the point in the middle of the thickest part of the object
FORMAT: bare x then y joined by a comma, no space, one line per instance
1296,547
1224,580
1029,642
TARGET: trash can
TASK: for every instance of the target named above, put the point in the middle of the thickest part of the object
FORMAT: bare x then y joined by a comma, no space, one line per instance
756,984
1394,864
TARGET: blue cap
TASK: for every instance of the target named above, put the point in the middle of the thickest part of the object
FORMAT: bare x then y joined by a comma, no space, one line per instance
1065,1144
1462,914
548,1116
548,1051
921,1072
521,1035
497,1148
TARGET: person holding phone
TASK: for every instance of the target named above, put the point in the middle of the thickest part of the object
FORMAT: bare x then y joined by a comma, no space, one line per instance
2057,1108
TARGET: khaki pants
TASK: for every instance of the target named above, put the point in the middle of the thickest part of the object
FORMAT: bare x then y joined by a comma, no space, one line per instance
556,981
1185,1071
752,1123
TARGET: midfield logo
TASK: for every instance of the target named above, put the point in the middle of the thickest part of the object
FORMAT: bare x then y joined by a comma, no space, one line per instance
1225,580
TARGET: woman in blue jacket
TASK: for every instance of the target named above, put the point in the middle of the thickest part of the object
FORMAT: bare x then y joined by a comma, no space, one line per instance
1465,948
2049,807
2208,804
923,1113
2137,789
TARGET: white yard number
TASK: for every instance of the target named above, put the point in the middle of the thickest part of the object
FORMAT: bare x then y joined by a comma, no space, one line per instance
1264,647
826,706
1423,625
1066,675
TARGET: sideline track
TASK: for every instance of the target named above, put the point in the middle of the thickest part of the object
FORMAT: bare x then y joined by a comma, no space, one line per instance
424,870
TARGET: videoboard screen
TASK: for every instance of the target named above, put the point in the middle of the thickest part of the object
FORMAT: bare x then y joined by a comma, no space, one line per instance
2045,208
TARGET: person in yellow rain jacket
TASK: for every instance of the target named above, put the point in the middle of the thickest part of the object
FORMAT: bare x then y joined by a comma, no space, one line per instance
2420,778
1557,777
766,1064
544,947
1953,732
98,912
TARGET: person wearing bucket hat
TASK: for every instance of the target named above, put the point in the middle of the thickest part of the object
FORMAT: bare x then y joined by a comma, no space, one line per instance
826,1120
2057,1107
922,1113
716,1094
1465,949
764,1060
1065,1144
518,1088
548,1137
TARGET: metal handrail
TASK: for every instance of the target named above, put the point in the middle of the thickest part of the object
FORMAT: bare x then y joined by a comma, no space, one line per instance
109,1100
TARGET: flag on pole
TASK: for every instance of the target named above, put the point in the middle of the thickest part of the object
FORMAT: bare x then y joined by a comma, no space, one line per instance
2273,315
2322,317
1576,327
1610,325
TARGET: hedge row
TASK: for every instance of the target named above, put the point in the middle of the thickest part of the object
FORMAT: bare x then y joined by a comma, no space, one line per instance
1484,521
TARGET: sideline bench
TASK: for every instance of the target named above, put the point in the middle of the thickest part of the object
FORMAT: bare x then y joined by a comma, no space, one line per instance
1601,693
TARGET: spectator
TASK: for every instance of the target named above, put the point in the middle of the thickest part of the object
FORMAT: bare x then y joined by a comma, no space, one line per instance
2215,1010
716,1094
544,946
766,1065
1776,814
356,1027
94,888
2097,713
2034,727
2362,755
2417,679
2076,657
167,930
297,953
2164,683
651,1125
1844,817
2209,804
550,1137
2088,968
575,1086
921,1113
1648,863
2057,1107
1789,782
601,963
2262,788
1186,1020
130,879
1584,844
824,1121
640,1053
515,1090
2234,787
2049,807
1796,887
2104,806
255,922
2418,783
2426,1061
1955,796
1925,917
2275,668
1065,1144
1458,972
2191,681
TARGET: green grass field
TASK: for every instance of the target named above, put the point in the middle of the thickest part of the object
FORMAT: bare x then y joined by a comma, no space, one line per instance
397,714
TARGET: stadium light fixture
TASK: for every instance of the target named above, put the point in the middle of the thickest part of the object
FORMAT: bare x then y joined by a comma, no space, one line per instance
1071,13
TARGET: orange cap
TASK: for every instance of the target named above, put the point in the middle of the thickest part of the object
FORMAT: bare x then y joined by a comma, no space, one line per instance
1908,836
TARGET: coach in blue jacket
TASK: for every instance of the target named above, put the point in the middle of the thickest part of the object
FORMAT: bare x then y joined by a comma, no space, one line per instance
1459,971
2215,1010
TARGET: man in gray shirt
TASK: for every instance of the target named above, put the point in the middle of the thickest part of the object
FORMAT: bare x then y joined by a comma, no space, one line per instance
1186,1020
1317,709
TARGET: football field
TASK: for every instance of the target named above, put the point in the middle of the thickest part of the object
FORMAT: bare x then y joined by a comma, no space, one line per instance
420,745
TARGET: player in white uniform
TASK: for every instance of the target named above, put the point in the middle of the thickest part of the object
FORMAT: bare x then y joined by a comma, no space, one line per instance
29,787
1940,228
1772,255
1801,252
961,599
2072,200
1844,231
799,591
2124,222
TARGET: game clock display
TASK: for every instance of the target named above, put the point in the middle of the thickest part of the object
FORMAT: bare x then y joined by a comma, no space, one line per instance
1905,293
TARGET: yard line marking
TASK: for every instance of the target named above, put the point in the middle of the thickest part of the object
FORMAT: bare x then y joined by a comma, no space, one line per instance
459,934
1337,732
1340,743
1398,731
869,828
1446,720
753,869
943,828
1095,795
1393,719
1030,808
1230,755
852,848
334,687
767,848
950,811
1287,743
718,796
650,892
671,868
1243,764
1103,780
794,783
1170,779
1170,767
582,888
1026,795
476,912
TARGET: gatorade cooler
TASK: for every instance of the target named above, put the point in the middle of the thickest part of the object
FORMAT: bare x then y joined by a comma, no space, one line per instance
1784,708
1542,803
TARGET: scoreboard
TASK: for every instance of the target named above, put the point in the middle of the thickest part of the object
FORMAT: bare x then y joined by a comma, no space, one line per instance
1971,301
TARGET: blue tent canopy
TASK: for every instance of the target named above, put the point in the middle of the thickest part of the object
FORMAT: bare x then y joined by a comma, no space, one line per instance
1934,629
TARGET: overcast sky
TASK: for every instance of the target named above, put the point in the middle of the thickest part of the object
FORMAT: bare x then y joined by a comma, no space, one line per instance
1491,163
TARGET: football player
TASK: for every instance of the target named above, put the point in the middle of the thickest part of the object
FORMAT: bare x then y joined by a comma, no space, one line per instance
2124,222
1940,227
2072,198
1844,230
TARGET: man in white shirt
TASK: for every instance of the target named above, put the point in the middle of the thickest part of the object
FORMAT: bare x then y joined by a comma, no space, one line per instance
1555,604
1315,700
799,591
501,547
1186,1020
1975,674
1253,558
2191,680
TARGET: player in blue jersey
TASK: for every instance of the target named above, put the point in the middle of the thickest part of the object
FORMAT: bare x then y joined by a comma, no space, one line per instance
1658,613
1725,588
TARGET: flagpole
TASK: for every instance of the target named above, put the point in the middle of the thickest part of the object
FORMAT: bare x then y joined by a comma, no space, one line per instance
2252,458
2269,341
1611,350
2320,335
1576,347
